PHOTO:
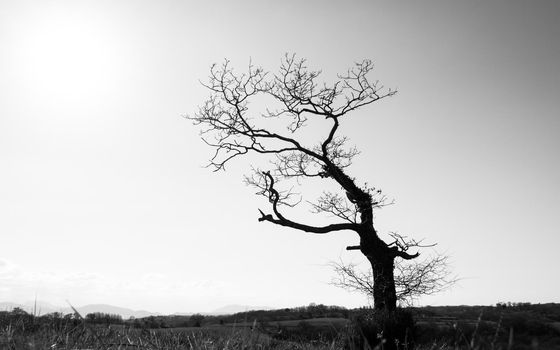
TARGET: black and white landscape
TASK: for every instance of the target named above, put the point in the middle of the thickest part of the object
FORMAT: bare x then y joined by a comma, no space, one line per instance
198,158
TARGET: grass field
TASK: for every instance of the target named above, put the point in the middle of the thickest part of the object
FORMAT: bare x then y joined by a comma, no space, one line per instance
459,328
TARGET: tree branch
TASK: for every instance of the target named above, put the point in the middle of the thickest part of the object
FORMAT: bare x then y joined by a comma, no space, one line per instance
412,280
402,244
280,219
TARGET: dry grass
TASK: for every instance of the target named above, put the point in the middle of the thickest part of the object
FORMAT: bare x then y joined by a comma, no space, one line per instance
27,332
78,336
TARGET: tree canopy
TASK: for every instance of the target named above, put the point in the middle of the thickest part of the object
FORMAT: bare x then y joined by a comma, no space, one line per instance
276,126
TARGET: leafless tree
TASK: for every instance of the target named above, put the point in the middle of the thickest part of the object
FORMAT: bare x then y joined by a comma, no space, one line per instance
294,98
413,278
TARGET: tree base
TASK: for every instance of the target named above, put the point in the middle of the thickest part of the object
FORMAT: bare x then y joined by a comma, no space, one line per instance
388,330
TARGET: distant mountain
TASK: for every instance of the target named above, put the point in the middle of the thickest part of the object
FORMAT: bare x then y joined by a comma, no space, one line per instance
42,308
32,307
234,308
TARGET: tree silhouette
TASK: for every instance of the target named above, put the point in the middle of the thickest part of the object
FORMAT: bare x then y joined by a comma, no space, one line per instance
294,99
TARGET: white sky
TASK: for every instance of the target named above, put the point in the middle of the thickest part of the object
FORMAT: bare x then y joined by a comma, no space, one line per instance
103,197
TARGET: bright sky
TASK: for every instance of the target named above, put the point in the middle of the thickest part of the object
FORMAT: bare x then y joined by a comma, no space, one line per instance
103,197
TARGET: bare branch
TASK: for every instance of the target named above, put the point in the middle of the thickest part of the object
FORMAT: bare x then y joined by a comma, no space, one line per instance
274,198
402,244
258,180
350,278
336,205
296,164
412,280
224,121
427,277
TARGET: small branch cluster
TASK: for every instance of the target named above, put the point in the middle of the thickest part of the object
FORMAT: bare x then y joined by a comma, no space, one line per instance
296,88
336,205
426,277
264,182
412,279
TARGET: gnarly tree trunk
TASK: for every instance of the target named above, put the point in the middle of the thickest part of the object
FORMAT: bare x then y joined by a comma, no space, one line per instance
384,294
379,254
382,261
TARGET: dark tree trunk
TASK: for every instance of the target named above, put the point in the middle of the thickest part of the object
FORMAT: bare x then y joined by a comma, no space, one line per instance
392,323
382,265
384,293
382,259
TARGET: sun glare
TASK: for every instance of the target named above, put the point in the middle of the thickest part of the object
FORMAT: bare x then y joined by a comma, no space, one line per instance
68,56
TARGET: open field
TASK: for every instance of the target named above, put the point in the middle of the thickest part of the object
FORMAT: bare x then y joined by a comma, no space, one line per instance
463,327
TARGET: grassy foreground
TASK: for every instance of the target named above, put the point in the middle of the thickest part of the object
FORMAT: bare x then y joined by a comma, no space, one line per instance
535,327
